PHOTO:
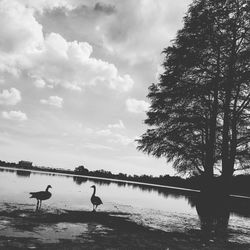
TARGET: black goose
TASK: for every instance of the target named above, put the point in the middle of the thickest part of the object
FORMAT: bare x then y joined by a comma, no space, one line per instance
40,196
95,200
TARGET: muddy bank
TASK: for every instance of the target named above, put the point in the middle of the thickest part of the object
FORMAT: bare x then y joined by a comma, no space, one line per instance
23,228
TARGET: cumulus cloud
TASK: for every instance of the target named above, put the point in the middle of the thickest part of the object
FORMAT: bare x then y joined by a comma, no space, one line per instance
10,97
106,8
118,125
23,47
39,83
153,23
14,115
55,101
43,5
137,106
21,35
71,65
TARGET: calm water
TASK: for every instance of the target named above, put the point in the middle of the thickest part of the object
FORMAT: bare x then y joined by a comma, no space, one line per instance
162,208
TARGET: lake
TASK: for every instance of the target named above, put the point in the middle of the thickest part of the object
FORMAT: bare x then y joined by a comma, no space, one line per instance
165,209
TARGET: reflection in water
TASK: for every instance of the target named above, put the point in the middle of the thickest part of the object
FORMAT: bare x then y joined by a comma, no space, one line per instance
121,184
163,191
45,173
79,180
240,206
158,203
213,212
234,205
7,170
102,182
21,173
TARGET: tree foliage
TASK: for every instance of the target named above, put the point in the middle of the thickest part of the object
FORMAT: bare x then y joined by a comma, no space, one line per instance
199,113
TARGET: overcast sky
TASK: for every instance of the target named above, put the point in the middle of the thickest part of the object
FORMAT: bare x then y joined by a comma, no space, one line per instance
74,80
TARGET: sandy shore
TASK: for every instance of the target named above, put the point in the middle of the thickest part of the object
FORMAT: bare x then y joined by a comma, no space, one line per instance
23,228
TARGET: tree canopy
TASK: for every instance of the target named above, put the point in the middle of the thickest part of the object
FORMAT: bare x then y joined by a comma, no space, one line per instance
199,113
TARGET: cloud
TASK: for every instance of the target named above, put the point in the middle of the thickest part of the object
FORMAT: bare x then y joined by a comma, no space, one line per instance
136,106
106,8
14,115
104,132
70,64
118,125
39,83
45,5
149,28
160,70
121,139
10,97
24,48
21,35
113,137
55,101
96,146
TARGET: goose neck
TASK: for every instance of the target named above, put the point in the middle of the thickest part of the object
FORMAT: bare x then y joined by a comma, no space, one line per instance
94,191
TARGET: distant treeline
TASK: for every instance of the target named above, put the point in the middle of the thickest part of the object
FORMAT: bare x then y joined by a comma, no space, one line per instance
240,184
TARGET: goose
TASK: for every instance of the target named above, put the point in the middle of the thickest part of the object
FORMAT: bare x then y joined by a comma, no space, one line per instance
40,196
95,200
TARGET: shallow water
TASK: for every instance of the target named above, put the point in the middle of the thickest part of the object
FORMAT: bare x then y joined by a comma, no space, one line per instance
160,208
75,192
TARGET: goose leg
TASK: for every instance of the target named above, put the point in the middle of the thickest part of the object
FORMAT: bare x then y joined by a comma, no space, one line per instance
40,203
37,204
93,207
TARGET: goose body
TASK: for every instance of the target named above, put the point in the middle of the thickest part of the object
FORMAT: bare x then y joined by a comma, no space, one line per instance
41,196
95,200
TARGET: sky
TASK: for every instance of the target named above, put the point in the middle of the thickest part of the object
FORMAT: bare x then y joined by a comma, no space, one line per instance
74,78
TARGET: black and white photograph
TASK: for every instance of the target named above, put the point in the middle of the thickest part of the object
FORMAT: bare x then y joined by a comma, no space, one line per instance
125,124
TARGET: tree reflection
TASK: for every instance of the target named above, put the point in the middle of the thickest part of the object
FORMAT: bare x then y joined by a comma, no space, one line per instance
7,170
214,215
102,182
23,173
79,180
213,206
121,184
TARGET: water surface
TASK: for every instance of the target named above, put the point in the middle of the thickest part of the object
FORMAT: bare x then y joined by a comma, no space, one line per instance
161,208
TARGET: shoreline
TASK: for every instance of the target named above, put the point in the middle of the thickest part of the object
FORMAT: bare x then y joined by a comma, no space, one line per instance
79,229
104,178
118,181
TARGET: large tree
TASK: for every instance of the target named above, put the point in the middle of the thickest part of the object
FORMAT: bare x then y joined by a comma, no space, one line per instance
199,108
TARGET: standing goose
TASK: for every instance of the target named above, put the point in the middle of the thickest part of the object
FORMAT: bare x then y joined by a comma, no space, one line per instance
40,196
95,200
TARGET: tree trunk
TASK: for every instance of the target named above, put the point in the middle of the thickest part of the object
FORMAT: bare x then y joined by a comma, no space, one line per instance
227,163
